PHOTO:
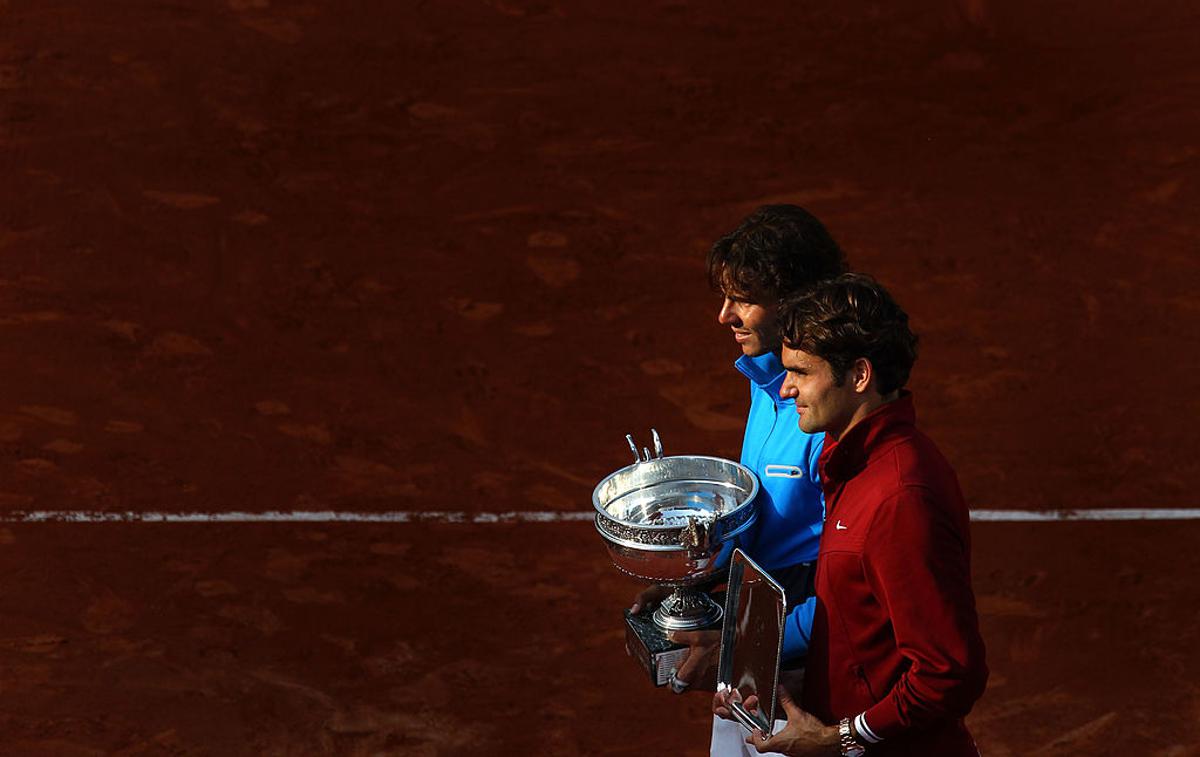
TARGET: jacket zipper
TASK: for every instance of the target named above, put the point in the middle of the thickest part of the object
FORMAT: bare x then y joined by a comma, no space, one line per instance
767,440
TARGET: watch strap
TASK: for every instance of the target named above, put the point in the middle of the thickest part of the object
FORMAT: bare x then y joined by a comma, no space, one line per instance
850,747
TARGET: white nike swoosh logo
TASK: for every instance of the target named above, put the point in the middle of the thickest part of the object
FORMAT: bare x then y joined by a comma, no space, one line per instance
839,526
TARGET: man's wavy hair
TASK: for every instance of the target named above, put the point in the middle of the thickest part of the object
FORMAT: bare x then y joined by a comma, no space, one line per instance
777,251
852,316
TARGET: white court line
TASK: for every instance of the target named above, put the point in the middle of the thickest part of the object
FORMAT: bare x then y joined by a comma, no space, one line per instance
543,516
1127,513
293,516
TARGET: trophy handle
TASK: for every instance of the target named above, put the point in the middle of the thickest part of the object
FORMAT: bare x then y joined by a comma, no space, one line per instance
637,457
644,456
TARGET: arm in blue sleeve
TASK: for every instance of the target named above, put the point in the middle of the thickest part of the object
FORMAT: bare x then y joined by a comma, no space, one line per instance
797,629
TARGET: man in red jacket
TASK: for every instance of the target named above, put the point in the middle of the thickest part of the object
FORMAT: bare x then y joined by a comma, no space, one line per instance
896,660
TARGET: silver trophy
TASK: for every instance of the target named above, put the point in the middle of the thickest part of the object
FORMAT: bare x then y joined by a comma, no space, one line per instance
672,521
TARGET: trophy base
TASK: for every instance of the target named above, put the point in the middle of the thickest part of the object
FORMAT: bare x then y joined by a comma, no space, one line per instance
648,644
688,610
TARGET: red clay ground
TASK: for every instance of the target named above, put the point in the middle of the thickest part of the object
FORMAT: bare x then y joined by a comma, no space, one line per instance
267,255
445,640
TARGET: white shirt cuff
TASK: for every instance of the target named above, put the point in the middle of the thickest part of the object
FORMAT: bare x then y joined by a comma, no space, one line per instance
864,730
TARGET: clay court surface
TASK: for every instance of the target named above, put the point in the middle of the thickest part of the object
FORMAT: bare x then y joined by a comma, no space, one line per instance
430,257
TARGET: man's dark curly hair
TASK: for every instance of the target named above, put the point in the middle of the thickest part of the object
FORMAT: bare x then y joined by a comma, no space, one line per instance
777,251
852,316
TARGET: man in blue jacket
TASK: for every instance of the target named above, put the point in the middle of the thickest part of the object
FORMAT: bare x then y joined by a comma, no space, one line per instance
776,252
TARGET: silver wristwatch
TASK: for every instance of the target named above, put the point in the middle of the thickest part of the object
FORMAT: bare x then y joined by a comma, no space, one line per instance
850,747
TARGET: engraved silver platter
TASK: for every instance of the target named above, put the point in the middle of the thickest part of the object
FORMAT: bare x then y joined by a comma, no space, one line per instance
672,521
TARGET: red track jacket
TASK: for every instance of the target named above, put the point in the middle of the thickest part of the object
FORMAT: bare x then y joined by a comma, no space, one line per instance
895,633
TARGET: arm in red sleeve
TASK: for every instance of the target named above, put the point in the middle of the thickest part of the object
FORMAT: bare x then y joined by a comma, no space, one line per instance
917,560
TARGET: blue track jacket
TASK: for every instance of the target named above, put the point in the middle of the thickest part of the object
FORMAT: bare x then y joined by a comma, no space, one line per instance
791,504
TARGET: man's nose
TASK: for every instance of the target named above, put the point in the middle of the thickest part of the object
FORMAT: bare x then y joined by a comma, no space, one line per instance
727,316
786,390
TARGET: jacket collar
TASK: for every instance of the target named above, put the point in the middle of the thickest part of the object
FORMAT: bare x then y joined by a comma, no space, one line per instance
765,371
871,436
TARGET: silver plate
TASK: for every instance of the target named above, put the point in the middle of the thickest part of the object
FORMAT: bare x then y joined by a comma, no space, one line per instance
751,642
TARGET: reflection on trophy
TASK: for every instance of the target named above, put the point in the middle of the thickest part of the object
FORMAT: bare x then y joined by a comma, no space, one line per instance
671,521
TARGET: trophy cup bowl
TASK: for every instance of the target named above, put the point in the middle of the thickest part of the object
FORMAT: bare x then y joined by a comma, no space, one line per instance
672,521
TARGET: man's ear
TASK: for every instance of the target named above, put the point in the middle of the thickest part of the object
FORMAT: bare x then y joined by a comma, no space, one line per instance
861,375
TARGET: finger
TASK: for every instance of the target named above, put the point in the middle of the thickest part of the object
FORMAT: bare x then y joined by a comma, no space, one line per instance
720,706
789,705
640,601
767,744
695,663
683,637
705,638
678,685
751,703
649,596
760,742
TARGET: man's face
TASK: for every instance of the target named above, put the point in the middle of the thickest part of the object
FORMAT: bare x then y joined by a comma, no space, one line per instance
752,323
821,404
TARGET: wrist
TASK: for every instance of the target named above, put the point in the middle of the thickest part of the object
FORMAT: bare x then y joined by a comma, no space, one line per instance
831,737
